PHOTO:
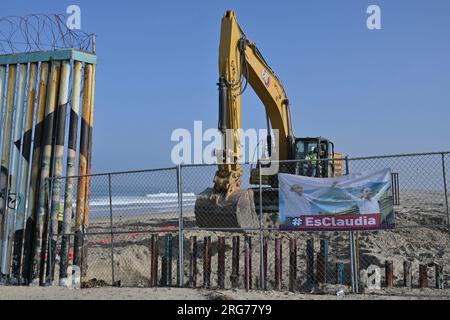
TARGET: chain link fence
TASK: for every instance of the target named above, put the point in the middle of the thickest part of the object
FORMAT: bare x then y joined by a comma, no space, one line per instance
143,231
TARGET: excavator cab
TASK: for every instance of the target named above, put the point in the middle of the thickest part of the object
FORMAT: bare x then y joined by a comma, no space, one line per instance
316,157
319,156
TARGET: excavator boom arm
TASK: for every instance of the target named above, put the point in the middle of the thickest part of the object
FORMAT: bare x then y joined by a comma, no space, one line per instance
240,64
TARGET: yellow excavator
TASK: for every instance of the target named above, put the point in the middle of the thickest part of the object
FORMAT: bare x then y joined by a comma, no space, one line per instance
226,205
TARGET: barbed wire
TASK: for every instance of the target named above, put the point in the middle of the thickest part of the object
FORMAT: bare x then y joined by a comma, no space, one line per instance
40,32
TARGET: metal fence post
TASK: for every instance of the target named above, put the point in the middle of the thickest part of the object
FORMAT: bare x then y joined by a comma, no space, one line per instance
347,167
353,255
444,175
180,228
111,229
261,233
353,268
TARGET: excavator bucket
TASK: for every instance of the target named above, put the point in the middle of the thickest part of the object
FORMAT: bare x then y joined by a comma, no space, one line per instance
236,211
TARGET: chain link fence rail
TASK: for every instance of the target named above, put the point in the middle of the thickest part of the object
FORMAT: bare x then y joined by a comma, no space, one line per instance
144,232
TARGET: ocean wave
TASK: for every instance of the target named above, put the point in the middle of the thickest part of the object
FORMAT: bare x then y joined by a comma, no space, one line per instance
165,199
169,195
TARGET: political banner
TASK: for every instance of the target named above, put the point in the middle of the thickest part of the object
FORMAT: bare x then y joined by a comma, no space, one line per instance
353,202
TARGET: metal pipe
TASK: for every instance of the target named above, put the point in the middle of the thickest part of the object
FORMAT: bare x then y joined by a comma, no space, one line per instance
292,264
6,146
168,257
265,248
310,279
22,186
111,229
30,227
58,163
444,176
116,173
322,262
352,267
82,164
207,262
89,153
278,264
330,159
71,171
40,242
235,263
407,274
423,276
154,260
193,263
221,263
14,170
180,228
86,216
2,95
347,166
248,263
400,155
389,269
353,264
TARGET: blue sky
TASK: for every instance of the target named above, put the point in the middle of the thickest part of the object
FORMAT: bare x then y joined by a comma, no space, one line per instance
371,92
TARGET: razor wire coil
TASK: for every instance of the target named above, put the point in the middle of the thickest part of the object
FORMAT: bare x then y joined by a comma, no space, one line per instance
39,32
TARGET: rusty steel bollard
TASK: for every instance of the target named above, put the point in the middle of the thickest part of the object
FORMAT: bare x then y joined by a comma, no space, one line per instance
278,264
423,276
389,266
221,263
310,262
292,264
265,247
193,263
235,263
248,263
207,262
154,245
